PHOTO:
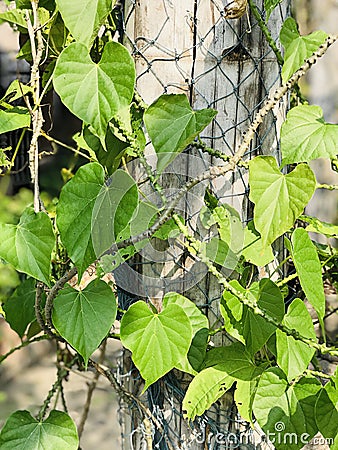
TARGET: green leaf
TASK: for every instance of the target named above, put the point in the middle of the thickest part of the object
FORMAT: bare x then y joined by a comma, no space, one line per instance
306,136
219,252
15,91
57,432
286,413
197,319
84,318
204,390
289,32
172,125
95,92
158,342
115,206
19,307
244,396
253,250
28,246
309,269
269,6
298,48
84,18
256,329
198,322
109,155
14,118
198,349
327,411
279,199
74,214
294,356
240,320
318,226
235,360
14,17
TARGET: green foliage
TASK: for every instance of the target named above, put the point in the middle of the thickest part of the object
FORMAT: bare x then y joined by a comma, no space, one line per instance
172,125
104,216
74,213
21,430
84,318
293,356
84,19
269,6
282,409
14,118
95,92
297,48
19,308
305,135
279,199
158,342
28,246
309,269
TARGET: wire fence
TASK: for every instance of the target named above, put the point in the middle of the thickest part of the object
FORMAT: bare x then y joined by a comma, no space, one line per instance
190,48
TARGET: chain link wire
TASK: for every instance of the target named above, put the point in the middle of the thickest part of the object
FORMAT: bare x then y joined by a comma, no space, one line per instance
189,47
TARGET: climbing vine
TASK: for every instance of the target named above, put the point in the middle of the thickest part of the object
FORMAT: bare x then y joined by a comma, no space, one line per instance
103,218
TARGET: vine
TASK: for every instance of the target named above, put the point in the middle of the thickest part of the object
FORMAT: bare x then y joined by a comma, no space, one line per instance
104,217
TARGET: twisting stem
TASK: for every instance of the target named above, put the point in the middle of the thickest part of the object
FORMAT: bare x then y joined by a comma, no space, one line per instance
34,31
53,293
22,345
38,315
194,246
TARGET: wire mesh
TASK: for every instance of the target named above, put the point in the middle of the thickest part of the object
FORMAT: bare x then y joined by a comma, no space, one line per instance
188,47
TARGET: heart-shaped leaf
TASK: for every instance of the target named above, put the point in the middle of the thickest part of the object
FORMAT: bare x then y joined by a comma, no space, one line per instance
19,307
279,199
207,387
28,246
158,342
95,92
253,250
198,322
299,48
286,413
74,214
235,360
172,125
14,118
306,136
21,430
113,211
85,317
197,319
327,411
84,18
309,269
293,356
